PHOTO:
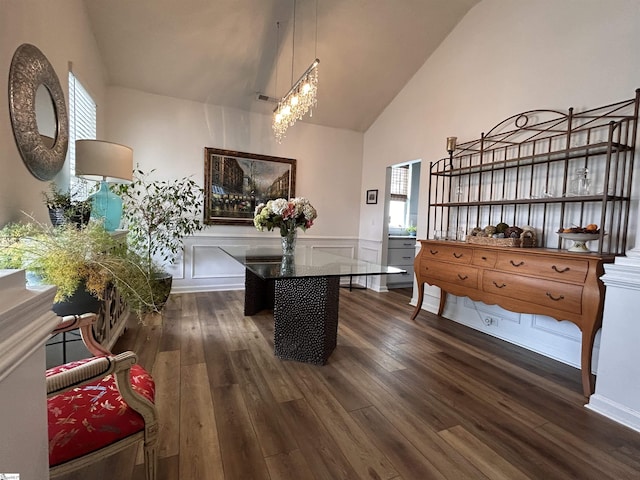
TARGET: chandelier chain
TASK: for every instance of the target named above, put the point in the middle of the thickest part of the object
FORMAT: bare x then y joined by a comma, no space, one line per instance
301,97
293,41
277,56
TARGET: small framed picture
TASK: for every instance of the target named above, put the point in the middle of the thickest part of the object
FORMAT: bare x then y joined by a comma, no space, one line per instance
372,196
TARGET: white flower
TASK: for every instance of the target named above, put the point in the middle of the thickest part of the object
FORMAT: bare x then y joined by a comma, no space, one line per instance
279,205
285,215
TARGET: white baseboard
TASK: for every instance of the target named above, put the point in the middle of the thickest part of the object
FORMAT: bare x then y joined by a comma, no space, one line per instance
615,411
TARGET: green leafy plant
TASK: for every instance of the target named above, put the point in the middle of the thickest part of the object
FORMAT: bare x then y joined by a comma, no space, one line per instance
68,257
411,230
158,214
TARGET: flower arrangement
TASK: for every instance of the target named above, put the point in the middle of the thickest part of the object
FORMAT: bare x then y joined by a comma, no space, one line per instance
287,215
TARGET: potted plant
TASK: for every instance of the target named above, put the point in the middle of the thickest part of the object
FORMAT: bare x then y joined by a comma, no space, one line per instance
411,230
76,261
63,207
158,214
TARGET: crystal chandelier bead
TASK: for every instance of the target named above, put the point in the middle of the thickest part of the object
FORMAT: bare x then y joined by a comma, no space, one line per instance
295,104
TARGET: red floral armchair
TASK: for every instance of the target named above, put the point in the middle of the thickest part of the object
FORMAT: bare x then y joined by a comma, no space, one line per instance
98,406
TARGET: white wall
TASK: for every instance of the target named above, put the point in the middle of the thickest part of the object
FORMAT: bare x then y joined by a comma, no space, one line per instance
505,57
170,135
61,31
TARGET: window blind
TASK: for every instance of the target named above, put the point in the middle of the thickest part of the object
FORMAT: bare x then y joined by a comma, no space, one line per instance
400,183
82,124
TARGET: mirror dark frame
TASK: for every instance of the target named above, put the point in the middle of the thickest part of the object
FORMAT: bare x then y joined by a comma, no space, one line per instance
29,70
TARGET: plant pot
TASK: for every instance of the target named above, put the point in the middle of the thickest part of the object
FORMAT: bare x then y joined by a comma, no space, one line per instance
60,216
162,289
56,215
80,302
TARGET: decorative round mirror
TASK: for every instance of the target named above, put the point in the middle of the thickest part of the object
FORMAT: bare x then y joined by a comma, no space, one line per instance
38,112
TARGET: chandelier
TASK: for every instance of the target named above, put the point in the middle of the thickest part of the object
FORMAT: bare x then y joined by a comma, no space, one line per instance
301,97
297,102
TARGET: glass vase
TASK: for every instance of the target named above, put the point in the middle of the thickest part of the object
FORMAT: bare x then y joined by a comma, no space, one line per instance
288,266
289,243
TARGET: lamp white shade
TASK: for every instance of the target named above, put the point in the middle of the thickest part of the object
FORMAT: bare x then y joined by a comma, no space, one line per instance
99,160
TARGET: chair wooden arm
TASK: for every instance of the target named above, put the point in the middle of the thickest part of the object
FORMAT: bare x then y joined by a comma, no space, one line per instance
95,369
84,323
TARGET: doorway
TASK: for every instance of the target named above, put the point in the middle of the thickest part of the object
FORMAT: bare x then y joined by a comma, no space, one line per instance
401,204
401,218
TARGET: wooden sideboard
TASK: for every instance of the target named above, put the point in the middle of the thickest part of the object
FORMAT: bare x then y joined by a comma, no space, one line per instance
559,284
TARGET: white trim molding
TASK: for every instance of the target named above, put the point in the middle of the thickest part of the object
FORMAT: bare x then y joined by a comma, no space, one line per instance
26,322
617,394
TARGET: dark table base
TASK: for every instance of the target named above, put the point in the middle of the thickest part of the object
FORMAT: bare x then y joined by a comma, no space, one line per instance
305,312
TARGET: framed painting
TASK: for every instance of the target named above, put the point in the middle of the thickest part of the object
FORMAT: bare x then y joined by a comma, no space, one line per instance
372,197
235,182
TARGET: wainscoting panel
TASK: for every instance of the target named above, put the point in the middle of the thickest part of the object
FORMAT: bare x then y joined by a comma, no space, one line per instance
371,251
205,267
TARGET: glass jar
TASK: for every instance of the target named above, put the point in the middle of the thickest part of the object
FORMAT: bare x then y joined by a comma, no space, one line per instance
581,183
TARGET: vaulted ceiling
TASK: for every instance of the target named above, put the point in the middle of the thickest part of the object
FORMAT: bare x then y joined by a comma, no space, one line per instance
224,52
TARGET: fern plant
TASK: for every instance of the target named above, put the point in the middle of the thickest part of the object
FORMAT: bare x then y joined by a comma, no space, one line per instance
68,257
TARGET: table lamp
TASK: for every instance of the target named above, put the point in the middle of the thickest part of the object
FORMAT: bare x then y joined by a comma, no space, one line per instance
104,162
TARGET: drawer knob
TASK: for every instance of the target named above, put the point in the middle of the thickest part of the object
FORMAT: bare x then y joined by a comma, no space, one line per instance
502,285
555,299
560,270
463,277
484,258
433,252
458,255
519,264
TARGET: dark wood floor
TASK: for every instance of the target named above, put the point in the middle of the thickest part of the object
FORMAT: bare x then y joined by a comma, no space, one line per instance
429,399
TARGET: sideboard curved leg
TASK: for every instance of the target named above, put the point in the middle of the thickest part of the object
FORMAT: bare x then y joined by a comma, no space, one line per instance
419,302
588,381
443,300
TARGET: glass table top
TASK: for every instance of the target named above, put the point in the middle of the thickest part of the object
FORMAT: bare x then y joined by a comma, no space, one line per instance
268,263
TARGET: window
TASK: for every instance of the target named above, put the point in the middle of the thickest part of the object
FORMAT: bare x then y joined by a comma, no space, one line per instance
399,192
82,125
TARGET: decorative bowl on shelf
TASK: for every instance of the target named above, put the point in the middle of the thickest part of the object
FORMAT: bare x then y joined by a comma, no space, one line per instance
579,240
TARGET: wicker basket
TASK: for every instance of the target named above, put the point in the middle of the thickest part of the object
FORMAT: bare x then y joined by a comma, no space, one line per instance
494,242
527,241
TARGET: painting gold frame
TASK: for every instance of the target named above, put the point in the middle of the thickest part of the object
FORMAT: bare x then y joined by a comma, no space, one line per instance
235,182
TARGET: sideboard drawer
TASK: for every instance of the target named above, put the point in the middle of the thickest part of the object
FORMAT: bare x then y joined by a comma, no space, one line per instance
460,275
484,258
557,295
556,268
448,253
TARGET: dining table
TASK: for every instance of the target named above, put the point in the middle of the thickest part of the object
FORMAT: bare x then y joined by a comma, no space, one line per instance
303,290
